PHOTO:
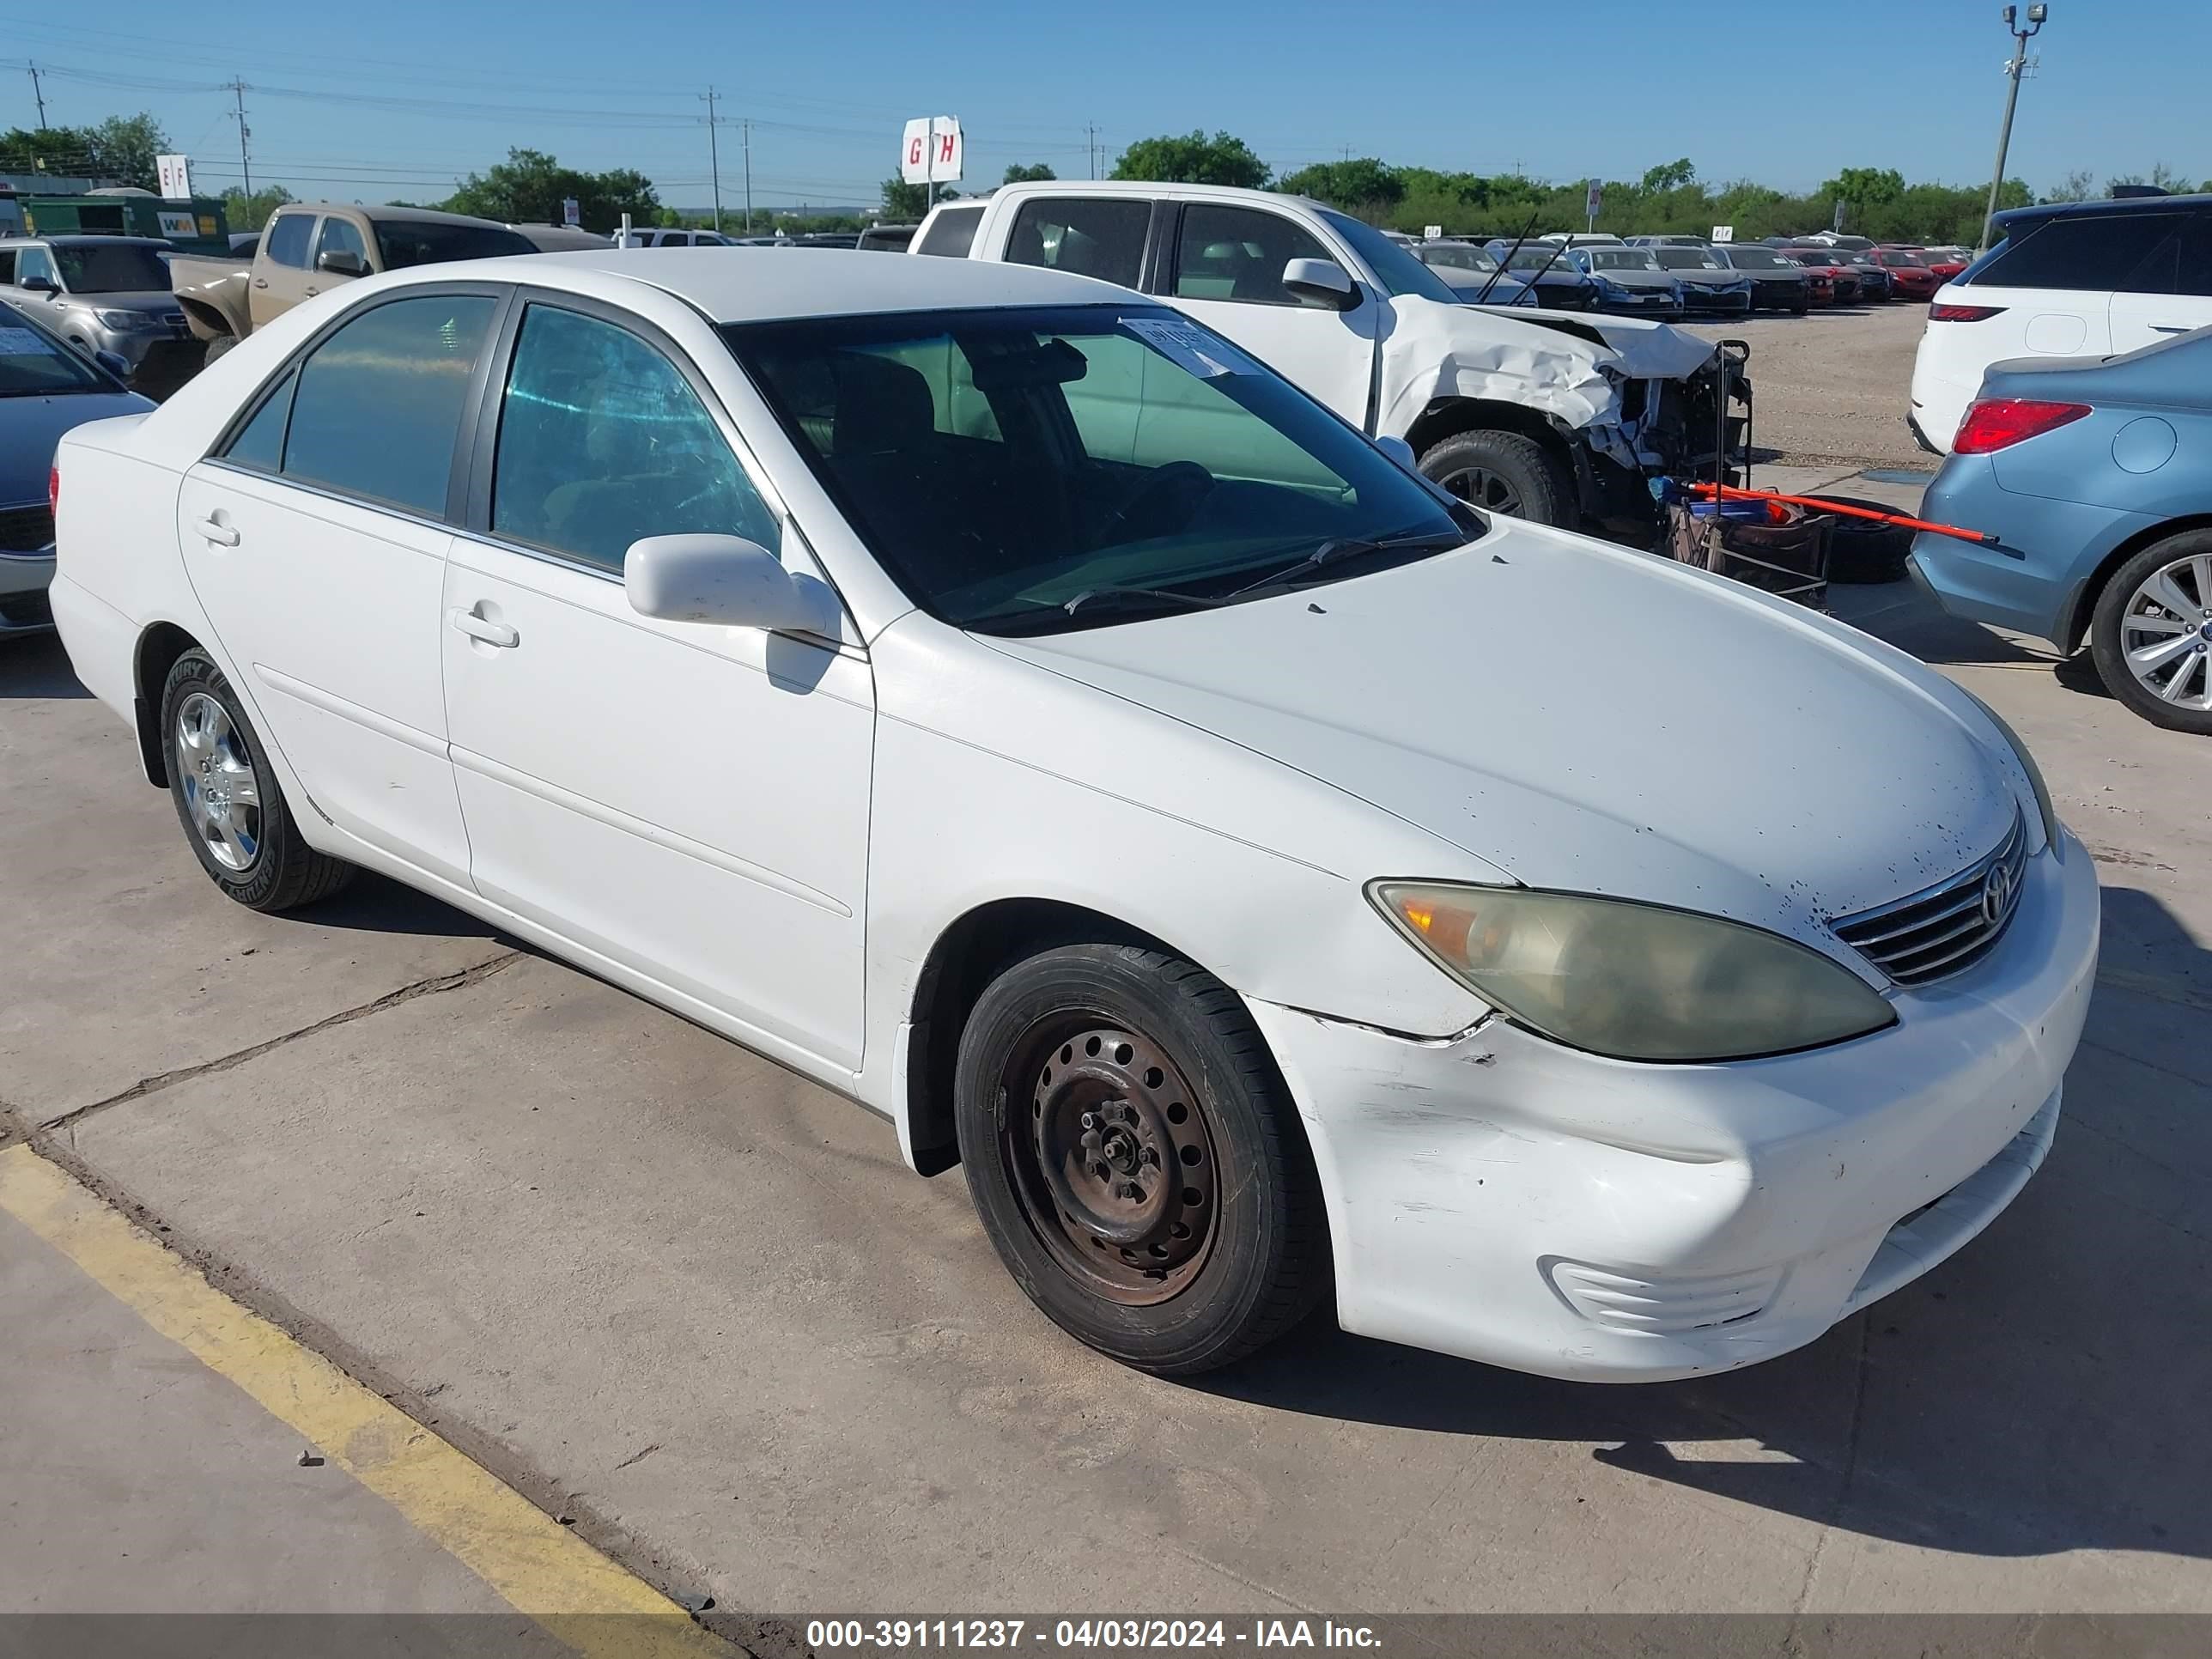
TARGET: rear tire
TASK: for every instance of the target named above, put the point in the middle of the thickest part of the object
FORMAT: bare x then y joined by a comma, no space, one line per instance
1504,472
2164,594
227,799
1135,1159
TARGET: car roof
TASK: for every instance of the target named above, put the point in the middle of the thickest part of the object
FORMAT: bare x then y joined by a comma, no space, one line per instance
1135,187
762,284
71,238
390,216
2195,204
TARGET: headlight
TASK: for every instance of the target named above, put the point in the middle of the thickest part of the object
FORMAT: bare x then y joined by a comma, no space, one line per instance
122,322
1631,980
2043,806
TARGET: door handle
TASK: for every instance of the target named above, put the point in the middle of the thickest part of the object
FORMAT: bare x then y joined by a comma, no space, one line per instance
2169,328
215,530
491,633
261,282
313,292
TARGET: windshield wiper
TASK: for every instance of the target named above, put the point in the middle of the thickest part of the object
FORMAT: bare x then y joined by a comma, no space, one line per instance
1348,547
1119,597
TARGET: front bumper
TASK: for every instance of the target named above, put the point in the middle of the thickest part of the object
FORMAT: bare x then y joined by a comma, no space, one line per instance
1500,1197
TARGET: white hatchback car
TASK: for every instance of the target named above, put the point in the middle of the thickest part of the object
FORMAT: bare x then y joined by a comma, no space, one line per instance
993,695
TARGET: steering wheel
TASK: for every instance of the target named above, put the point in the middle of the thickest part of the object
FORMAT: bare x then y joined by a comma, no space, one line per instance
1176,484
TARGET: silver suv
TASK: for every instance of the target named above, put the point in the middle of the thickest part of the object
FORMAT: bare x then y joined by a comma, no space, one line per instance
105,293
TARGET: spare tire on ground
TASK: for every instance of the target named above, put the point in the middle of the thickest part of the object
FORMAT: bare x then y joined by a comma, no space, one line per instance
1862,551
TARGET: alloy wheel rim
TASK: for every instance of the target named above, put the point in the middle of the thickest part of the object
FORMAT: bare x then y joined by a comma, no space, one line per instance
1113,1160
1479,487
2166,633
222,790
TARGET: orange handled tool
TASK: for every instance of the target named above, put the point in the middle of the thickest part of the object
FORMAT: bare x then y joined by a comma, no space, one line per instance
1898,520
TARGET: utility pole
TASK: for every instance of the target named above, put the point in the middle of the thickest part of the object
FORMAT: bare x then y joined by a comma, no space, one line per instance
38,93
1091,147
746,126
245,163
2013,72
714,152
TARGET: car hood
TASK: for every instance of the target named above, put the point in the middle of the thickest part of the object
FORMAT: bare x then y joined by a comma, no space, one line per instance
1587,718
1709,279
1567,365
155,300
31,427
1635,278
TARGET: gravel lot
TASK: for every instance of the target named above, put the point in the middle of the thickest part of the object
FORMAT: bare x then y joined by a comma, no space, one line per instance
1831,385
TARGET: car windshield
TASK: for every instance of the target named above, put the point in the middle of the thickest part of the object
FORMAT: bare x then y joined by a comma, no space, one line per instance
34,364
407,242
1538,257
1810,256
1756,258
1393,266
1689,259
111,268
1458,255
1899,257
1621,258
1028,470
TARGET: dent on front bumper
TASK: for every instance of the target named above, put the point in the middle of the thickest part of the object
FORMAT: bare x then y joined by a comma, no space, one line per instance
1500,1197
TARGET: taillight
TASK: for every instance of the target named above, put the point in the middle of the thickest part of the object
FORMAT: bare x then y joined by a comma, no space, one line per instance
54,489
1943,314
2001,422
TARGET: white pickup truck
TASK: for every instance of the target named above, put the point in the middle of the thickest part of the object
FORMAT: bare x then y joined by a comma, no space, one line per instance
1556,417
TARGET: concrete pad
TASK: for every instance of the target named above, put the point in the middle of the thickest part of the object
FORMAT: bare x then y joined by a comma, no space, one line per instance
705,1300
140,1481
123,960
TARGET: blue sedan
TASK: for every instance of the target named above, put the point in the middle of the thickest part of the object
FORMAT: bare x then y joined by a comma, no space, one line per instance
46,386
2095,476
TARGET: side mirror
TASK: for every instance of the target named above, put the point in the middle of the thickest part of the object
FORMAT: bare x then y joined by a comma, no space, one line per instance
116,364
45,285
725,579
1324,279
342,262
1399,451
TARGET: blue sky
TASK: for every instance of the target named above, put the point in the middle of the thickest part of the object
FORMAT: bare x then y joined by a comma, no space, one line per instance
400,98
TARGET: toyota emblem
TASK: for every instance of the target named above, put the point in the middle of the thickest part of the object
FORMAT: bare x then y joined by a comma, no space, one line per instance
1996,894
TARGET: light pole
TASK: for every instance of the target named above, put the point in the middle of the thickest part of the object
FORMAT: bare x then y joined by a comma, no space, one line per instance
2021,36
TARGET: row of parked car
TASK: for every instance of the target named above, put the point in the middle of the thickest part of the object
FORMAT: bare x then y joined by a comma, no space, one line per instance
1673,276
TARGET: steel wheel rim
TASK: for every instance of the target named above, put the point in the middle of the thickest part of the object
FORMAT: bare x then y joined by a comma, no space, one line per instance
222,791
2166,633
1085,1095
1479,487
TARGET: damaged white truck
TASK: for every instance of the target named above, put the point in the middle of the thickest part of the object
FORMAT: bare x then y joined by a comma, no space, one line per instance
1555,417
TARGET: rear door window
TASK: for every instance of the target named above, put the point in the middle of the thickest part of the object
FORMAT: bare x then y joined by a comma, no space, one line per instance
377,411
2092,252
1098,236
2194,272
951,232
286,243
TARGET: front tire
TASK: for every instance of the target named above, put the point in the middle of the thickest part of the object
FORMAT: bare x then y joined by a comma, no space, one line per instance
1135,1158
227,799
1502,472
2151,634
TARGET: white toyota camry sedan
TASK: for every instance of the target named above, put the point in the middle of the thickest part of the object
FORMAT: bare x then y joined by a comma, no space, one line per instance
997,697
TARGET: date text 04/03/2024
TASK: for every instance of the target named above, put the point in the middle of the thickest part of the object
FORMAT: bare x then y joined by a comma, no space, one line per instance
1082,1635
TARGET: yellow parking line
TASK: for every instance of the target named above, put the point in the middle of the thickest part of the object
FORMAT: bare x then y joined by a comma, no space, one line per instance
540,1567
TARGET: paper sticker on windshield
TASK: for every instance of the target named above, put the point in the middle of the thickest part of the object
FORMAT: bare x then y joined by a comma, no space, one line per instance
1204,355
25,342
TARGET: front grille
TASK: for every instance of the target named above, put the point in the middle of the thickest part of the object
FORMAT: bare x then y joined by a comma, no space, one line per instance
26,529
1948,926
